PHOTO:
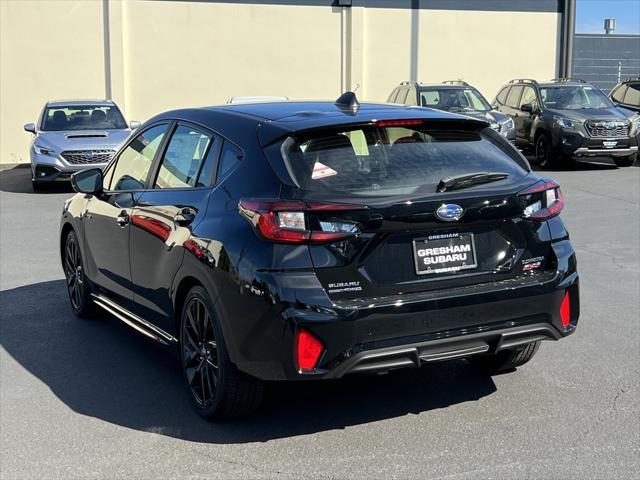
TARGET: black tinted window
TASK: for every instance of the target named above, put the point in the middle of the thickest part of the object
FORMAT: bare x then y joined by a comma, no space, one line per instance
183,158
632,95
133,165
514,97
391,161
229,157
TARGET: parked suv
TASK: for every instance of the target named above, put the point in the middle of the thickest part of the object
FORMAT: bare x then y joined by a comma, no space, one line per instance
627,94
454,96
313,240
565,118
74,135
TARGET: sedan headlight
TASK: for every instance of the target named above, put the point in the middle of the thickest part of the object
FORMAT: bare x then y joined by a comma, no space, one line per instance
564,122
44,151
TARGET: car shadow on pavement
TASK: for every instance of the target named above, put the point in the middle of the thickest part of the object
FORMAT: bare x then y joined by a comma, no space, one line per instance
17,179
101,369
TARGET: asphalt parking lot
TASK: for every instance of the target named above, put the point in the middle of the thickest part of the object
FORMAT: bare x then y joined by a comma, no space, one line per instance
91,399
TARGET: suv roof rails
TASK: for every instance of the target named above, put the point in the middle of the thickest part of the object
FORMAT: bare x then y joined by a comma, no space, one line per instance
566,79
409,82
630,79
524,80
455,82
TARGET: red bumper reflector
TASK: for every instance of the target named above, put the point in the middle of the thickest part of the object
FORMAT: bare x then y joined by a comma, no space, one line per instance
565,310
308,350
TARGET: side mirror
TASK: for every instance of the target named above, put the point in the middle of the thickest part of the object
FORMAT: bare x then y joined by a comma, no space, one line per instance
30,127
133,124
527,107
87,181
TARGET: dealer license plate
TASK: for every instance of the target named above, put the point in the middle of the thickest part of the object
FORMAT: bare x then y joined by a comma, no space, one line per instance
444,253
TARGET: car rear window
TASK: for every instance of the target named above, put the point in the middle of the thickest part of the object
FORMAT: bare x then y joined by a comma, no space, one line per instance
394,160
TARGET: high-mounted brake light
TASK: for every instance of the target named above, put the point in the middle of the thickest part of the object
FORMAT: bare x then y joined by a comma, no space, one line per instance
398,123
543,200
297,221
307,350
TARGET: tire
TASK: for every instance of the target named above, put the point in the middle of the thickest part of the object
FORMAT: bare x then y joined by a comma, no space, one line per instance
546,157
626,161
218,390
506,360
77,285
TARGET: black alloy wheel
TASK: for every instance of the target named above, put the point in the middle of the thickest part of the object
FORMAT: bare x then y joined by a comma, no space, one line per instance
77,286
543,151
218,390
200,352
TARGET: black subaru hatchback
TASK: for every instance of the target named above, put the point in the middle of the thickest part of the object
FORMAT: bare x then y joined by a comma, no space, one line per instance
313,240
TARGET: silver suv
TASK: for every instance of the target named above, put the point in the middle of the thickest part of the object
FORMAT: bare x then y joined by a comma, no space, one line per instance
74,135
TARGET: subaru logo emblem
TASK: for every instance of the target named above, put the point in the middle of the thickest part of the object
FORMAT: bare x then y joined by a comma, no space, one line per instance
449,212
88,155
609,125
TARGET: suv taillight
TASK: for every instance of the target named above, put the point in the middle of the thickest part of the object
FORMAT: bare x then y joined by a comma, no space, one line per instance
297,221
542,200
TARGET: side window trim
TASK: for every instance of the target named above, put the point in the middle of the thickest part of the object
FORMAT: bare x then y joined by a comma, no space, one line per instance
116,157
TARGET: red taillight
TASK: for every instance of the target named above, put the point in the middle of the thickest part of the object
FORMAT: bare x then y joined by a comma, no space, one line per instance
308,350
565,310
398,123
289,222
543,200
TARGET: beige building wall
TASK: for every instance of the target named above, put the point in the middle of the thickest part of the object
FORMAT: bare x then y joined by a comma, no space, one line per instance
150,56
48,50
200,53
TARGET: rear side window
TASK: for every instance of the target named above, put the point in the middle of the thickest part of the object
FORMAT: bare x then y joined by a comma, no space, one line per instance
229,158
402,96
513,98
184,157
502,96
632,95
389,161
618,93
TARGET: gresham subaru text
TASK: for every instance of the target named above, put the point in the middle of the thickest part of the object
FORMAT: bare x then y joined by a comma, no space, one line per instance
312,240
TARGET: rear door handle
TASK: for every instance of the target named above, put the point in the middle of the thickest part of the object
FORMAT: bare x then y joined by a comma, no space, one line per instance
123,219
184,217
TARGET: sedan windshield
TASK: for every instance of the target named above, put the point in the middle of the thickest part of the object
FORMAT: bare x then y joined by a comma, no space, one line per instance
574,97
454,99
83,117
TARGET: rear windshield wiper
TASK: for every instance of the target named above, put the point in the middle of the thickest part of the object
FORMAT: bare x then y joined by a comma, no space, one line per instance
468,180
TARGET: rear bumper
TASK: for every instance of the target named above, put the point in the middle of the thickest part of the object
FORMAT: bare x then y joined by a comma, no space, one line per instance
382,334
414,355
